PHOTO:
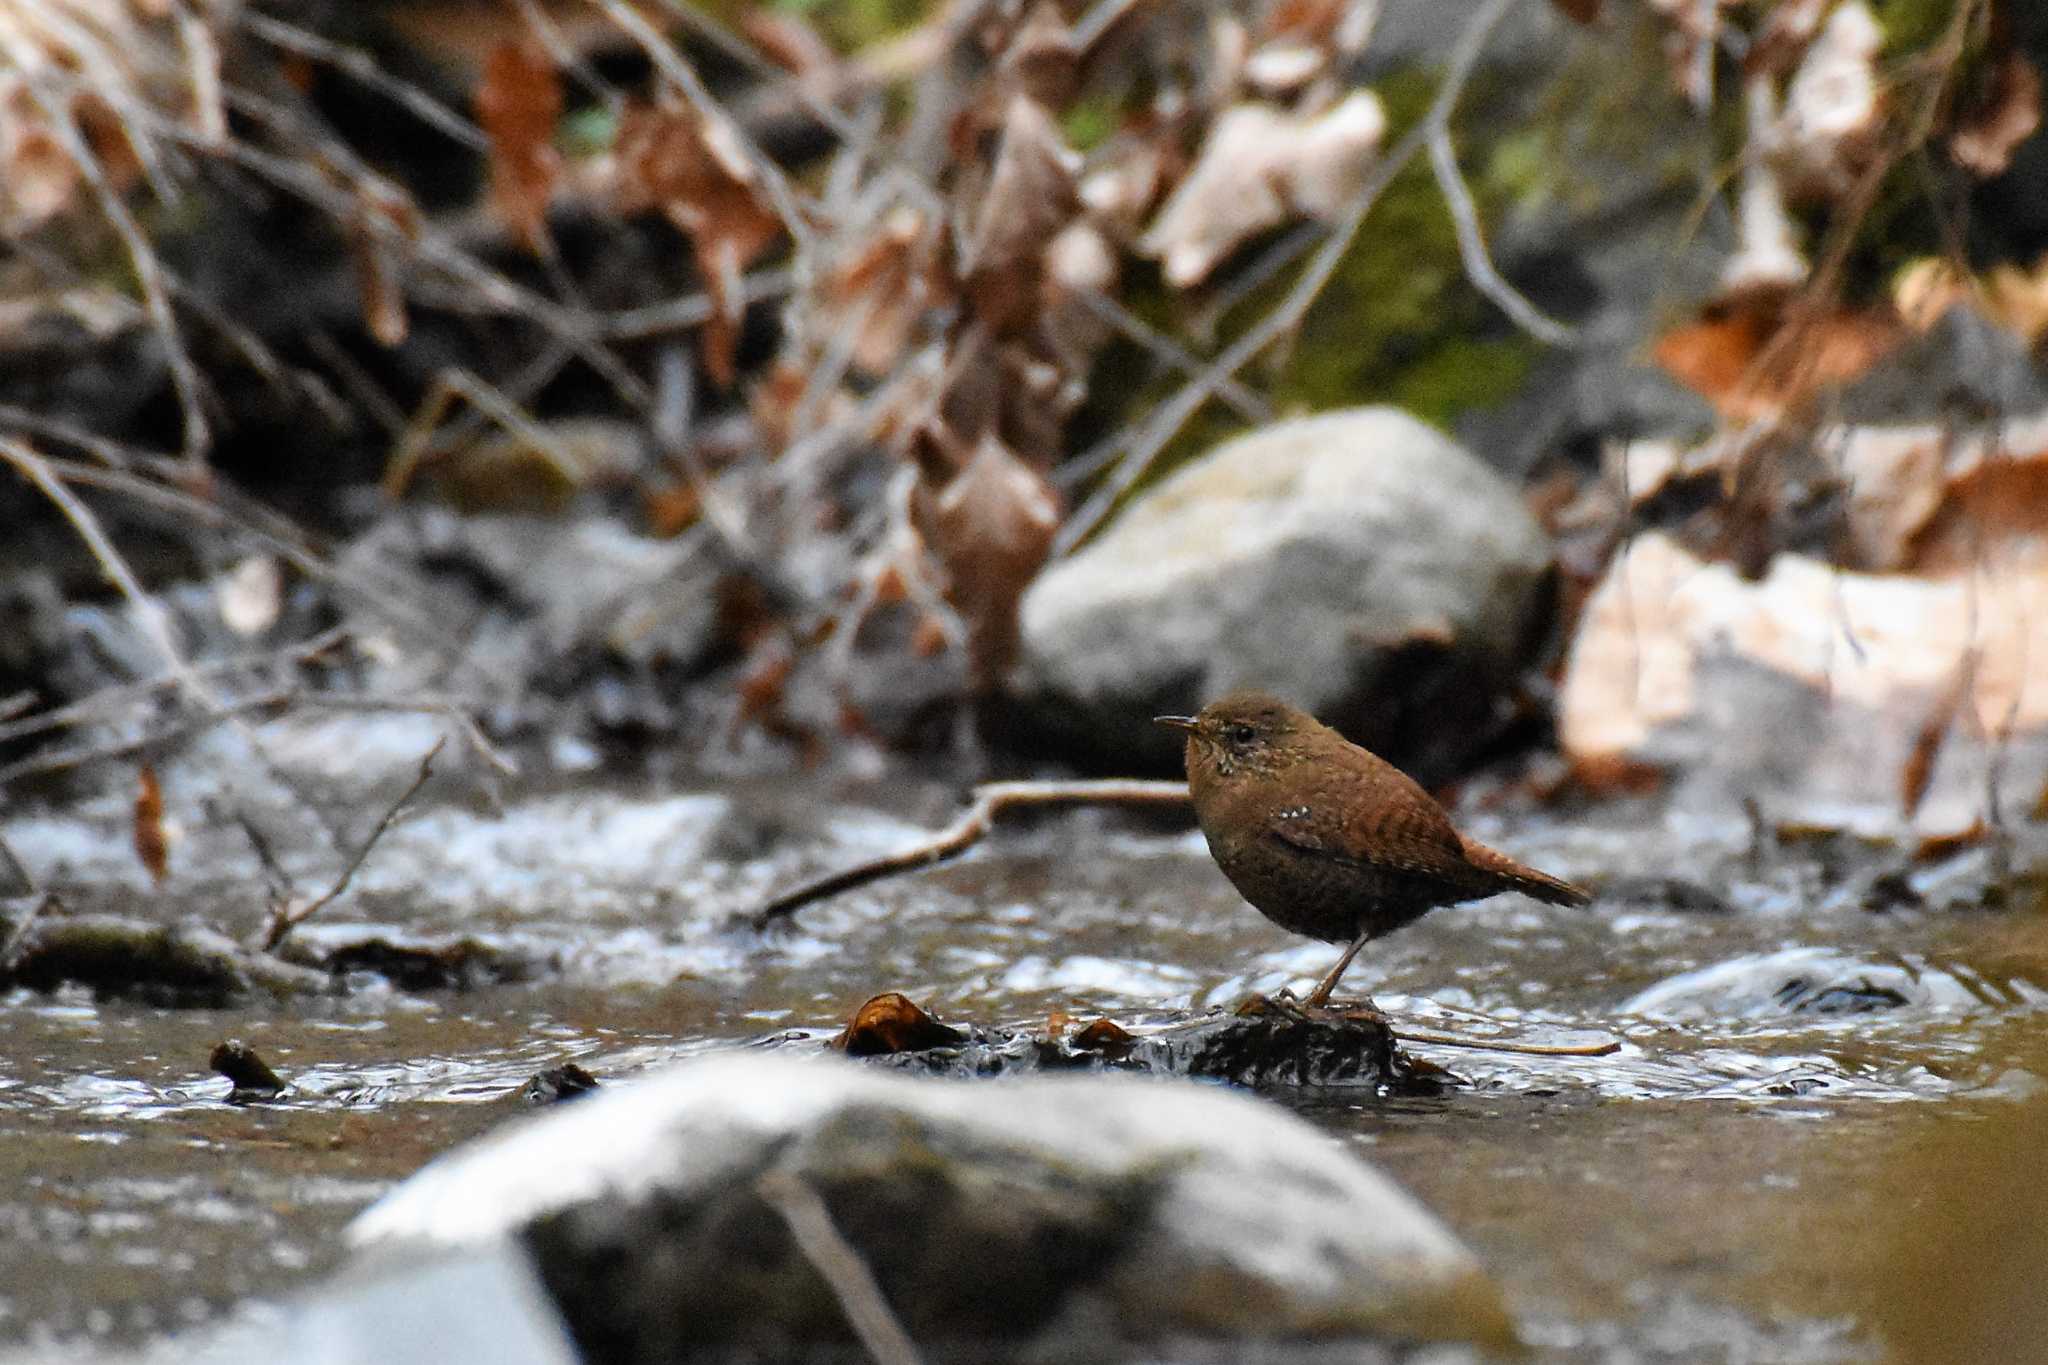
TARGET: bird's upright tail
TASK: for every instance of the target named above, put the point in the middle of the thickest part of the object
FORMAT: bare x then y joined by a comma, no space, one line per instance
1521,877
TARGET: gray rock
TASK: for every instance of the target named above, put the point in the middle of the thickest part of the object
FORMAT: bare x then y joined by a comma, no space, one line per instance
1358,562
1058,1217
510,595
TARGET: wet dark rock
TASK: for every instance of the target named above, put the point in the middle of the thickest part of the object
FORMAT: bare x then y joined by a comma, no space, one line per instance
1412,576
250,1075
556,1085
1056,1218
1260,1044
185,965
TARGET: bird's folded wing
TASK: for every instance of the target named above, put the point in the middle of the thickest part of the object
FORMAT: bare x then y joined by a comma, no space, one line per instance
1409,840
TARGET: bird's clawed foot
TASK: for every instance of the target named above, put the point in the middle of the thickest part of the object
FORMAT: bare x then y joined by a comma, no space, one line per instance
1285,1002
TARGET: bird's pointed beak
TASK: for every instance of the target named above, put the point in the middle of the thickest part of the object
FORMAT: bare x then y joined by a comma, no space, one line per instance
1187,723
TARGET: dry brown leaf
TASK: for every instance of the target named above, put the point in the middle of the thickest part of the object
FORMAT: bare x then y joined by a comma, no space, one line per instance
1717,357
893,1022
1030,197
885,286
673,509
1257,168
152,845
1102,1035
2007,114
990,526
1578,11
518,105
695,170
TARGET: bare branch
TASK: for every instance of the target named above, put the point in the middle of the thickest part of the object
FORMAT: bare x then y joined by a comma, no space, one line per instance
1479,267
287,918
839,1265
990,799
1604,1048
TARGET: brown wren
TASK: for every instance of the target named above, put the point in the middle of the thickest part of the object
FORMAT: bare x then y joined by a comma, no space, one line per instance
1327,839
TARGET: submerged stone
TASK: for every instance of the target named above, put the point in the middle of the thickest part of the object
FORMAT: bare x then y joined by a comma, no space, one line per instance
1061,1217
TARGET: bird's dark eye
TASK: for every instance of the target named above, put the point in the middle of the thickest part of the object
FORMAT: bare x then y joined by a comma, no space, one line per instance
1240,733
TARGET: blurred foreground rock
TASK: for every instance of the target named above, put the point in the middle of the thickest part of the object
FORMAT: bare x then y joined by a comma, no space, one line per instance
1882,704
1359,563
1063,1218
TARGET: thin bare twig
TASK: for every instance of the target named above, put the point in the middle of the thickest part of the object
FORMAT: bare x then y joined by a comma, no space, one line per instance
1168,351
10,951
360,66
287,918
1479,267
990,799
839,1264
89,708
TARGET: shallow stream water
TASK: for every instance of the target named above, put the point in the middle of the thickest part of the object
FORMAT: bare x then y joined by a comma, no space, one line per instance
1730,1185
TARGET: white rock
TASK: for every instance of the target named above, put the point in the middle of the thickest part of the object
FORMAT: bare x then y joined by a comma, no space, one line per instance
1251,1222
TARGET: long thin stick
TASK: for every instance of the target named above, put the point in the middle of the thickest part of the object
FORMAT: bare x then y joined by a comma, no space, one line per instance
989,799
1604,1048
286,919
840,1265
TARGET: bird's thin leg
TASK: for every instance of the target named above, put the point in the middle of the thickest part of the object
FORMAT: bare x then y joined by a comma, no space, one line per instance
1321,993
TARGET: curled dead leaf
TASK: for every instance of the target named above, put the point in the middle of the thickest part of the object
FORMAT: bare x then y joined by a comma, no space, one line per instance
892,1022
990,526
1257,168
152,843
1031,195
885,286
1103,1035
694,169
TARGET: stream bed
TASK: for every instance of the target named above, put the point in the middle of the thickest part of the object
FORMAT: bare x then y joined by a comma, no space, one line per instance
1802,1025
